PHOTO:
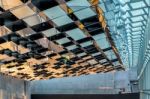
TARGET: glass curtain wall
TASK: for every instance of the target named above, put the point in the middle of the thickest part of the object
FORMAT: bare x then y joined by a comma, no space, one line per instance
144,66
129,25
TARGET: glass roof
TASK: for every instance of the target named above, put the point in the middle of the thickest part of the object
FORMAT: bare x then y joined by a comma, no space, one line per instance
126,19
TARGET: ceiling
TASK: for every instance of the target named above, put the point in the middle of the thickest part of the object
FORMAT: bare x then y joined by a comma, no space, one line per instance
45,39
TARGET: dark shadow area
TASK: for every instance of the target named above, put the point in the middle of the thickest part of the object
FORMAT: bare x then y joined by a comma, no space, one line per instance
85,96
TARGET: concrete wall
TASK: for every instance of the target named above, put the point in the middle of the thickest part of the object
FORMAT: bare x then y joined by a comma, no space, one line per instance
108,83
12,88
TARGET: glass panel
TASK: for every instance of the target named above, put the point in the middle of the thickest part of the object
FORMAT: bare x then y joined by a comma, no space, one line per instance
103,43
102,5
98,53
10,3
137,24
99,36
26,32
109,15
51,32
62,20
103,60
85,13
26,12
78,4
82,54
76,34
92,61
116,63
54,12
86,43
71,47
110,54
136,33
135,19
137,12
4,31
137,4
33,20
63,40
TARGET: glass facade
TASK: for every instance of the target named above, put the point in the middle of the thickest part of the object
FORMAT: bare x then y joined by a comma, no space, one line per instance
144,66
129,23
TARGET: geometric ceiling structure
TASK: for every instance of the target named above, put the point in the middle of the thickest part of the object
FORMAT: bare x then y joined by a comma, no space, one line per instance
45,39
127,21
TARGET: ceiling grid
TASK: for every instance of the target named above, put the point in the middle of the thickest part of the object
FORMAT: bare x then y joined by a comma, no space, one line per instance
55,38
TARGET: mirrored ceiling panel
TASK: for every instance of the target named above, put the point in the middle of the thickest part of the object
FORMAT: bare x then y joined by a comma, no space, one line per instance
45,39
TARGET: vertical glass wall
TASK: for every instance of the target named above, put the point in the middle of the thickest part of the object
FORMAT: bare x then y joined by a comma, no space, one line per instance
129,25
144,65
